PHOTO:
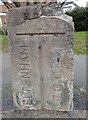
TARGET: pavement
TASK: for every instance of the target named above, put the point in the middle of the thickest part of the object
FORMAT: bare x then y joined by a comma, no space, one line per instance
79,100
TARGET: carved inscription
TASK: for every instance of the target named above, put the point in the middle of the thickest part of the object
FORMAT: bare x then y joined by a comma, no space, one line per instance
24,64
28,95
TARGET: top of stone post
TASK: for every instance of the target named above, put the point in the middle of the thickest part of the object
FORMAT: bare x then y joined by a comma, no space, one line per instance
17,16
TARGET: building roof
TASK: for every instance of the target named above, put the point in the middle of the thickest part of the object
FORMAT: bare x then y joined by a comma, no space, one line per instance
4,9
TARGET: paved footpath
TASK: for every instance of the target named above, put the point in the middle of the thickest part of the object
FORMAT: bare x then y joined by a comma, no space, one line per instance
79,93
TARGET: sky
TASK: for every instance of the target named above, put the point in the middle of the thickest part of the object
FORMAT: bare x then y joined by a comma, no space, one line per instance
81,3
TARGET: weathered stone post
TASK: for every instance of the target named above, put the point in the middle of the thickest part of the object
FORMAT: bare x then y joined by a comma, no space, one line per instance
41,60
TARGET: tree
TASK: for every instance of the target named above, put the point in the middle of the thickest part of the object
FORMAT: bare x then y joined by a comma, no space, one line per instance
80,18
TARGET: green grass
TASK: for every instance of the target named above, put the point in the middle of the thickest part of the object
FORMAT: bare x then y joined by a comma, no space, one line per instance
80,43
4,43
79,47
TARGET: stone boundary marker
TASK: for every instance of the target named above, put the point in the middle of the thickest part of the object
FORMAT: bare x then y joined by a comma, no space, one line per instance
41,60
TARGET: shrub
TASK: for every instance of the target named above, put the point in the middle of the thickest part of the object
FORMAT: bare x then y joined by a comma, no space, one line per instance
3,30
80,18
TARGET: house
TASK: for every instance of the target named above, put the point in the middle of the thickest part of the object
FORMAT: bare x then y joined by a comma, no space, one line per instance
87,4
4,8
3,11
68,6
2,19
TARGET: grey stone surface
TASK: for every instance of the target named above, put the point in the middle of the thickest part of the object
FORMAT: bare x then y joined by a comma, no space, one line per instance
43,114
41,62
53,9
23,14
79,101
34,114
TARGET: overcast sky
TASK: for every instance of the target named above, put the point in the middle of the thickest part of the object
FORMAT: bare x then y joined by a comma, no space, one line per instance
81,3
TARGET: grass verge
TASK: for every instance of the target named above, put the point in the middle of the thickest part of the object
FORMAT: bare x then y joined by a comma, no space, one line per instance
80,43
4,43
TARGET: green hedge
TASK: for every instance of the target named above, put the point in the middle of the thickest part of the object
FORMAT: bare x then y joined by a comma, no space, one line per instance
80,18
